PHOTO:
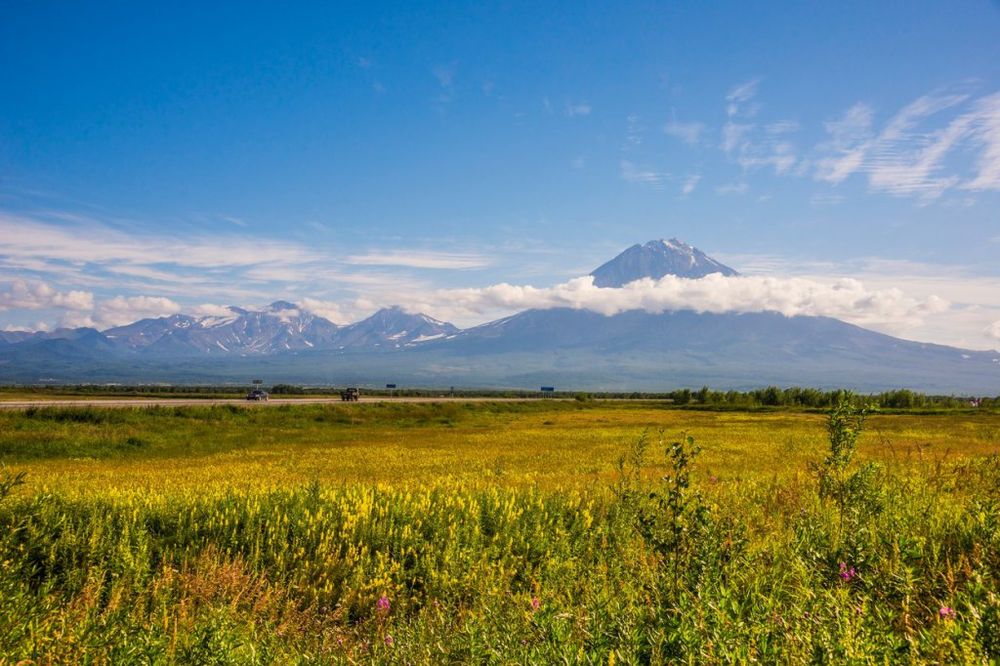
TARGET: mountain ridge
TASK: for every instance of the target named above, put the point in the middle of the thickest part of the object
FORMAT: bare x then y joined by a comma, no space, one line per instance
635,346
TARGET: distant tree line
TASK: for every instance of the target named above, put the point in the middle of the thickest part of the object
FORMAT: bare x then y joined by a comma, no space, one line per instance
771,396
774,396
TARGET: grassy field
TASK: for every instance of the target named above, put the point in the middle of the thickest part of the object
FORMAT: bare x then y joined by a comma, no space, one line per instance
496,532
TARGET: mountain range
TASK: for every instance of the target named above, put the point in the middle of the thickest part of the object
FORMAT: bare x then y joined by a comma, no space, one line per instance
573,349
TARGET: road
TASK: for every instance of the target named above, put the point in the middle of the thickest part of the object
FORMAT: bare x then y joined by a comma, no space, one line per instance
273,402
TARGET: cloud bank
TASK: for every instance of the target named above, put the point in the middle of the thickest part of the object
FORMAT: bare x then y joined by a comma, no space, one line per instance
80,308
23,295
846,298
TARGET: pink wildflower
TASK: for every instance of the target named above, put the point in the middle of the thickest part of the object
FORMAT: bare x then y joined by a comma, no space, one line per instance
383,604
847,574
946,613
388,640
535,603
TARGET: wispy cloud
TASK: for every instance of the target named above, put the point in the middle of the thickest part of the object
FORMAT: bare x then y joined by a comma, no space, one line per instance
633,135
643,176
826,199
908,156
108,262
848,144
986,133
689,133
750,144
741,93
231,219
732,188
575,109
445,75
89,243
416,259
690,183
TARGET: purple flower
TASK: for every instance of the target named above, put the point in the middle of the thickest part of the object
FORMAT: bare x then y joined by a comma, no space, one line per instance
383,604
388,640
847,574
946,613
536,603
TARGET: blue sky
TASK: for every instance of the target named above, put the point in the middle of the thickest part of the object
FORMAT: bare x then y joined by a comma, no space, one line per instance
183,155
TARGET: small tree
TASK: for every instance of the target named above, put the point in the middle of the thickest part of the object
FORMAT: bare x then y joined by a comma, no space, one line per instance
670,516
850,488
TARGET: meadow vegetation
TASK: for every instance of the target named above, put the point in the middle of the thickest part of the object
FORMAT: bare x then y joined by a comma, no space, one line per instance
579,532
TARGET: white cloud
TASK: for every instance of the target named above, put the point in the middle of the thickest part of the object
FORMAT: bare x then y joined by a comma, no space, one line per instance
732,188
24,295
907,157
779,155
77,320
993,330
574,109
690,183
635,174
331,310
732,136
973,293
211,310
238,221
96,244
188,267
633,135
743,92
417,259
445,75
846,299
987,133
127,309
847,144
753,146
689,133
826,199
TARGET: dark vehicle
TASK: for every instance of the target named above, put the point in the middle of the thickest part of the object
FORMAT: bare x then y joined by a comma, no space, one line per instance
257,395
350,395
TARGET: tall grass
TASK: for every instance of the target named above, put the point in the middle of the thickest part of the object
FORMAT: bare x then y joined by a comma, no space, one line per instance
855,561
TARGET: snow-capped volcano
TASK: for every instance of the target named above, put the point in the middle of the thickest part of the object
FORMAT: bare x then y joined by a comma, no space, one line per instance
392,328
281,326
656,259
